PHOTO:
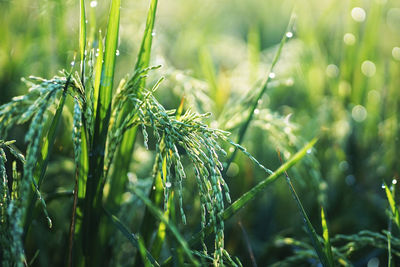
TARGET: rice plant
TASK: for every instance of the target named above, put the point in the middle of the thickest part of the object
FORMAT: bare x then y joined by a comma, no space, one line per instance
164,154
102,123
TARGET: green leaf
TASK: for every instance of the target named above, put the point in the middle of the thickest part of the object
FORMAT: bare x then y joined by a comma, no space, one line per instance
325,235
94,186
143,58
392,204
142,250
251,194
108,68
82,38
125,150
310,229
98,68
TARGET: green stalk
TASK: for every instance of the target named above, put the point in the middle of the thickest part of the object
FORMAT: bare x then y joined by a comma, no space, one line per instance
98,68
94,189
392,204
130,236
389,234
322,255
124,153
327,241
82,38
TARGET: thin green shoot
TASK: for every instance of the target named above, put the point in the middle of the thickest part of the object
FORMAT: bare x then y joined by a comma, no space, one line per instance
133,239
325,235
392,203
310,229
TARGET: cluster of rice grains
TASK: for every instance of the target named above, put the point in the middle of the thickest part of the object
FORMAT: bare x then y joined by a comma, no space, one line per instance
30,107
175,132
10,207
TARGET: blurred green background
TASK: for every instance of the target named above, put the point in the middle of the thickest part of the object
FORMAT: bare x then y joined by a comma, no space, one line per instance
338,78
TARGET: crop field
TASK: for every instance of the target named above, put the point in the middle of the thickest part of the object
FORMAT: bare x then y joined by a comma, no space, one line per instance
199,133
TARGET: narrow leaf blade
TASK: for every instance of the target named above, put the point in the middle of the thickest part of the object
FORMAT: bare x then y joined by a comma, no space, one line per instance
325,235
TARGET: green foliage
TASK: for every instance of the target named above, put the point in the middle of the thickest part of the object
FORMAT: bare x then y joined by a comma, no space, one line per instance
111,174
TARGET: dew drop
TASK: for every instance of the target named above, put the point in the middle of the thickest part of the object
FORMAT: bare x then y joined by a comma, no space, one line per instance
289,34
289,82
359,113
396,53
343,165
86,21
153,34
154,187
117,52
368,68
332,71
394,181
271,75
358,14
309,151
168,184
383,186
256,111
73,63
93,3
374,262
349,39
49,222
350,179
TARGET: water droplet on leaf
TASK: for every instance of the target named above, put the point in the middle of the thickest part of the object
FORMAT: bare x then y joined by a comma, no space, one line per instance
93,3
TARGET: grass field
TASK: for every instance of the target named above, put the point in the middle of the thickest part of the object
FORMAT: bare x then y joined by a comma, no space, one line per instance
199,133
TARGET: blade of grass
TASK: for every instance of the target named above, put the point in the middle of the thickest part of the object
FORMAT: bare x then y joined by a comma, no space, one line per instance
310,229
82,38
389,234
98,68
161,233
149,225
325,235
392,204
130,236
263,88
125,150
94,190
143,58
251,194
159,215
142,250
107,74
